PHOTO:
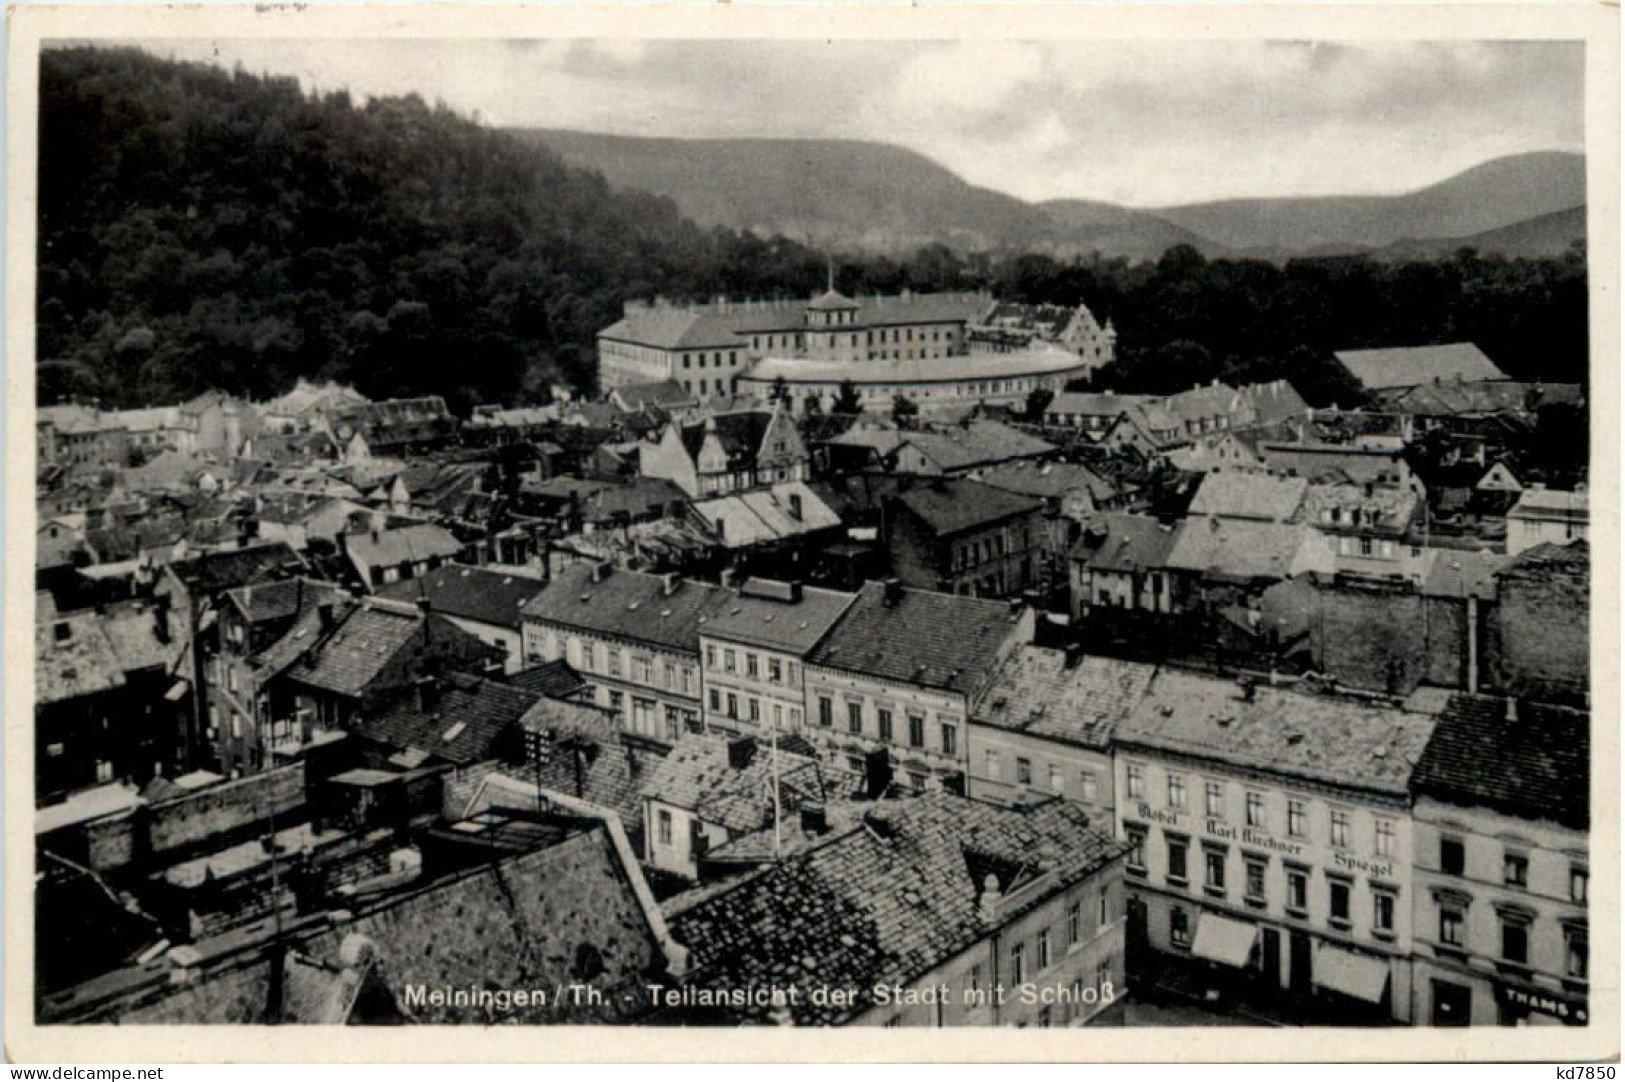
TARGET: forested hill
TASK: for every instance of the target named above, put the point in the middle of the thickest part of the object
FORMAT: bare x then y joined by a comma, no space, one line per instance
206,229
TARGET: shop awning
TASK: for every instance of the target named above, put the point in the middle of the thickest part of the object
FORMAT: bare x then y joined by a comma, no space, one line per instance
1355,975
1220,939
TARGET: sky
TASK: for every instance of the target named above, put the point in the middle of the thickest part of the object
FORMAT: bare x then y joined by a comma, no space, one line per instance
1142,123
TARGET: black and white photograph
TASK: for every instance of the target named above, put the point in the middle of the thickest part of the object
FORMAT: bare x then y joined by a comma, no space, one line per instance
1038,530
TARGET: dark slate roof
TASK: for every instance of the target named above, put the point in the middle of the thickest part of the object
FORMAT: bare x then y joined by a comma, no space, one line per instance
1121,542
283,598
661,393
403,544
630,605
747,617
470,593
951,505
883,902
1343,742
1053,479
217,571
936,640
1411,366
467,719
1534,766
1037,693
350,658
554,679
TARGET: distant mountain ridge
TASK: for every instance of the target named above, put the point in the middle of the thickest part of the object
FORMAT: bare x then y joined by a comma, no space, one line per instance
880,198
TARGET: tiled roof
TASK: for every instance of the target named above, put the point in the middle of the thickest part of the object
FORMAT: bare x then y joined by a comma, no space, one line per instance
1237,548
884,902
628,605
1122,542
1550,503
1037,693
401,544
698,777
745,616
133,631
1536,765
1260,496
1052,479
1572,558
1379,369
281,599
1383,508
764,516
217,571
470,593
554,679
1209,401
467,720
950,505
1093,404
83,663
934,640
1273,402
1340,742
1501,396
638,497
1332,462
661,393
1038,361
720,326
347,660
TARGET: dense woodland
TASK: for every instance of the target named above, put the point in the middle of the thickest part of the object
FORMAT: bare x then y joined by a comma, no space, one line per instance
202,229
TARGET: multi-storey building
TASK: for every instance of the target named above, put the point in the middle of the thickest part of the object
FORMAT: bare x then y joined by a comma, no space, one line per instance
1043,728
1503,866
1271,835
632,636
899,670
728,452
963,537
754,647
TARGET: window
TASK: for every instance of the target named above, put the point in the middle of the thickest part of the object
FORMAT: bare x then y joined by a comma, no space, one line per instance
1056,785
1105,914
1176,790
755,706
1136,780
1255,809
1295,817
1451,920
1018,963
1074,924
1255,881
1179,929
1515,868
615,699
1024,771
1043,950
729,661
664,819
1088,787
1214,861
614,655
751,669
1215,800
1452,856
733,705
950,739
716,700
826,711
973,979
1178,852
884,718
1385,837
1382,911
1365,546
1297,891
991,757
916,731
1136,853
1340,828
1575,956
1515,940
1338,892
1579,880
775,670
854,717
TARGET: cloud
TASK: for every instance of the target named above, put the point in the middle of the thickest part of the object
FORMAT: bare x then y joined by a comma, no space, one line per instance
1142,122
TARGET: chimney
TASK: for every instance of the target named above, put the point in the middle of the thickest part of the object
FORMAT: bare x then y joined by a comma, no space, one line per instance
669,583
876,773
988,905
813,820
324,614
741,751
894,592
601,570
424,606
63,631
1074,654
1512,708
160,619
428,694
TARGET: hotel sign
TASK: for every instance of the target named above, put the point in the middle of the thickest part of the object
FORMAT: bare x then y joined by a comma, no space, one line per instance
1221,830
1571,1011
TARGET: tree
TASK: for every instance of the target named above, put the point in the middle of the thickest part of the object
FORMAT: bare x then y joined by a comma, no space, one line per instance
1038,400
847,400
812,405
904,410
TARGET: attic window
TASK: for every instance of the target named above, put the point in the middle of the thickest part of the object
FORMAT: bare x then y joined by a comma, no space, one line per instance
454,732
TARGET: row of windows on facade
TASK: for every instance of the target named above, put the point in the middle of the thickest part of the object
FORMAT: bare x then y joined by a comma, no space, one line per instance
677,719
1515,929
1088,782
732,705
1255,811
893,334
1215,862
728,660
1025,966
885,728
971,553
1514,867
613,661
